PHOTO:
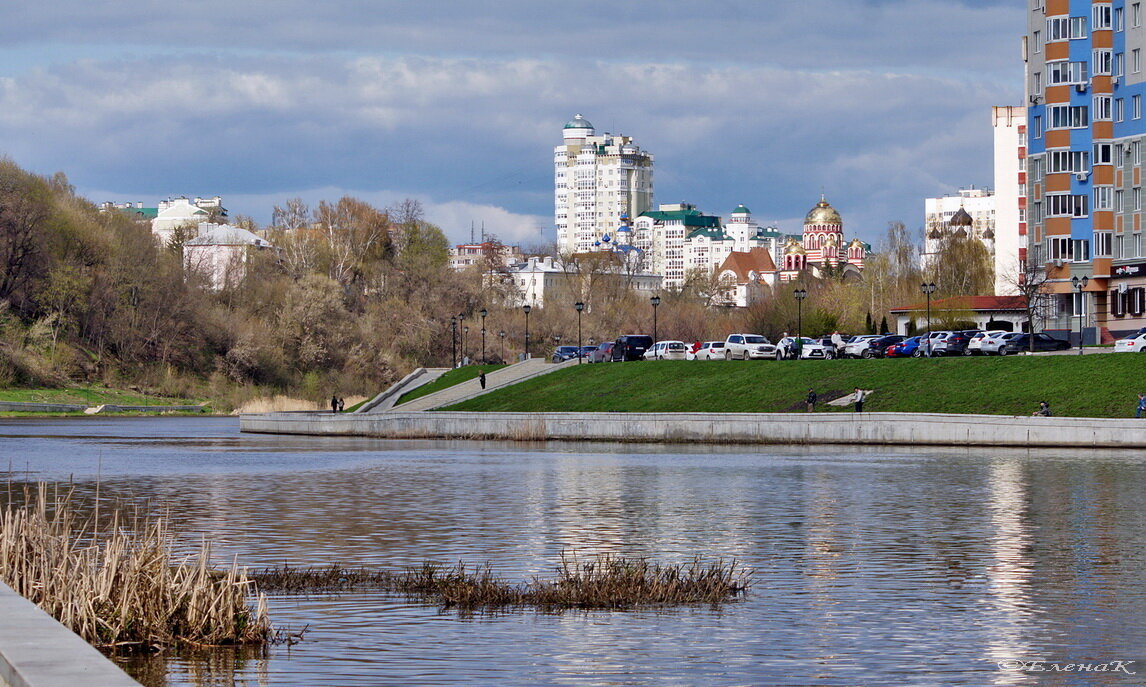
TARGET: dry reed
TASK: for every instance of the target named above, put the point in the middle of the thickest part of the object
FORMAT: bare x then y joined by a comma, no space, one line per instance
120,588
604,582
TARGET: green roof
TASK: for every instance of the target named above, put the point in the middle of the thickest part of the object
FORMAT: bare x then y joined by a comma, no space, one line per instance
741,210
140,213
689,218
578,122
713,233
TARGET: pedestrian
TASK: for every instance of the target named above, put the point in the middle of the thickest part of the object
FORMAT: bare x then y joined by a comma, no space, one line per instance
341,404
859,397
811,400
1043,411
1141,405
481,378
334,404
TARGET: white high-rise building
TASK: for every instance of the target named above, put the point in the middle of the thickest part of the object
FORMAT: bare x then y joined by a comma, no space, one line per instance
970,213
1010,124
598,182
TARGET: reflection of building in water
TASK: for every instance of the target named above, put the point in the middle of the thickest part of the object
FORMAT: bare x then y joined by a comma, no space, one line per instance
1009,577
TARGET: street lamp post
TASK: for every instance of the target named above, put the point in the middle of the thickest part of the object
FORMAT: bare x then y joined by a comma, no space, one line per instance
655,300
579,307
1079,285
501,334
525,309
483,313
928,288
800,295
453,341
465,335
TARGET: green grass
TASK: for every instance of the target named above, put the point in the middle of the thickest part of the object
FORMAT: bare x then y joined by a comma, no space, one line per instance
88,395
454,376
1104,385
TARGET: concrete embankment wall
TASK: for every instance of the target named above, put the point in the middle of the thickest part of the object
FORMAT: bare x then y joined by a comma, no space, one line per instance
748,428
37,651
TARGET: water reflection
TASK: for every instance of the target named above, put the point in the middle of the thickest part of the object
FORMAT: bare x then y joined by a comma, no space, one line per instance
873,566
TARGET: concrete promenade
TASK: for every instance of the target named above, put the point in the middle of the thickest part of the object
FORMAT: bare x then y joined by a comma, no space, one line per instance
889,429
37,651
506,376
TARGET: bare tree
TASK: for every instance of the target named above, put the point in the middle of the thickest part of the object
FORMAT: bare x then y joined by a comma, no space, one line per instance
1030,281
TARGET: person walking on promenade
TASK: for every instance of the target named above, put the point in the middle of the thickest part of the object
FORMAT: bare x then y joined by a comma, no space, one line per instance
1141,405
334,404
341,404
859,397
811,400
481,378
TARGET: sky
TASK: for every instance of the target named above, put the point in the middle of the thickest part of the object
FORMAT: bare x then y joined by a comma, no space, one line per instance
877,104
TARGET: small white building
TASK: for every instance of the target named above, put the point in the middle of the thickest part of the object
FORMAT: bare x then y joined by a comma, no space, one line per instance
220,253
183,212
467,255
746,277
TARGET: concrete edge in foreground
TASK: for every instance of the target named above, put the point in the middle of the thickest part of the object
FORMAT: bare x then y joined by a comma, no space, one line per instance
890,429
37,651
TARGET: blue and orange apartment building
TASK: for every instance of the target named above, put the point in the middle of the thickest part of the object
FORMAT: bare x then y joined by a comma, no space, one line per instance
1085,84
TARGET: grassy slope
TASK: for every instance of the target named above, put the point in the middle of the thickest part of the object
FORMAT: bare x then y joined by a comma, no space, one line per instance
1086,386
88,395
455,376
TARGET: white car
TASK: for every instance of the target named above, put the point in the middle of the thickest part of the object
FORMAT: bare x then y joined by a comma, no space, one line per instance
710,350
994,344
974,346
855,346
809,349
746,346
1131,344
667,350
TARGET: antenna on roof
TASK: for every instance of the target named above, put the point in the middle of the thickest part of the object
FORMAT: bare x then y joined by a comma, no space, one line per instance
471,232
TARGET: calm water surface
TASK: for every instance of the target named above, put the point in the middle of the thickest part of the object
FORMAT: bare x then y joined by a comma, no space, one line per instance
873,567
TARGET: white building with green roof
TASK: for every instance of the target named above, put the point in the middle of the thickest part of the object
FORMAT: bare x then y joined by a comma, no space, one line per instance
599,181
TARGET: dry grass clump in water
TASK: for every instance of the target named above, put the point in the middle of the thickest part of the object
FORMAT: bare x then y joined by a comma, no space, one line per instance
605,582
120,588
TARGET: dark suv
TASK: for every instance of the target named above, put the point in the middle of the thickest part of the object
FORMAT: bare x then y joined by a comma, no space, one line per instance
631,347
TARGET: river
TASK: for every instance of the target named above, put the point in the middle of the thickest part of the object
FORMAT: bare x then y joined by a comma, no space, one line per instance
872,566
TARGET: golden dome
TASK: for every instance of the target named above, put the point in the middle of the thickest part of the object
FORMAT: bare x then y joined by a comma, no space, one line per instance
823,214
793,247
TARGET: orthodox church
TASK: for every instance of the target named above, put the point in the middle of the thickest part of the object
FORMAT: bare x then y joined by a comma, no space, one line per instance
822,248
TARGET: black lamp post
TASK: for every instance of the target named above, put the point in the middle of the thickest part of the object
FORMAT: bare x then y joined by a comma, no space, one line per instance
1079,285
928,288
465,334
800,295
501,334
483,312
579,306
525,309
454,341
655,300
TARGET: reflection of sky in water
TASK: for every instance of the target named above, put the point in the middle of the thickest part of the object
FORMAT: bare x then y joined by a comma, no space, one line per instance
873,566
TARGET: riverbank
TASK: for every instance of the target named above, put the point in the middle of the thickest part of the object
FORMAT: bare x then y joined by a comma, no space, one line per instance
1098,386
879,429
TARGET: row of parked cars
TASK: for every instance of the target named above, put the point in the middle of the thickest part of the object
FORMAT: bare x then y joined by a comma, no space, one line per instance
756,346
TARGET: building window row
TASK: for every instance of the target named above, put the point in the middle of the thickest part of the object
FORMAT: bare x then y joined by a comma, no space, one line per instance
1067,205
1068,117
1130,302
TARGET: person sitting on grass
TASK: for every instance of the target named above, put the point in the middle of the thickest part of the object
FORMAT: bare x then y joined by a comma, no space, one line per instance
1043,411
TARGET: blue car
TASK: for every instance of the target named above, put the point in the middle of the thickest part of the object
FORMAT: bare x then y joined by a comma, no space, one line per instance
904,349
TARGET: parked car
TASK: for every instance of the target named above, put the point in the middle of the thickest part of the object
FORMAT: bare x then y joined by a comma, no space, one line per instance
992,345
667,350
710,350
1042,342
877,348
829,346
904,349
586,351
974,346
603,354
952,343
564,353
809,348
928,342
855,346
631,347
1134,343
746,346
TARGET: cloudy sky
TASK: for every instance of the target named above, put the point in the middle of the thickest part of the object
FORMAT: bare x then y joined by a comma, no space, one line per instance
458,103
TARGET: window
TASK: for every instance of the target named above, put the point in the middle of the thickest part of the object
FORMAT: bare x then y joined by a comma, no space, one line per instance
1136,14
1069,160
1037,82
1119,64
1102,108
1060,249
1136,102
1119,247
1078,72
1058,72
1136,196
1081,250
1103,61
1037,40
1119,109
1102,244
1136,152
1136,60
1103,154
1119,19
1100,17
1038,126
1067,205
1118,204
1068,117
1058,29
1119,153
1103,197
1078,27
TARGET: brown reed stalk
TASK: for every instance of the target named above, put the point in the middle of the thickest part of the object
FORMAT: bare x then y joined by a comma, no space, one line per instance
602,582
120,587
